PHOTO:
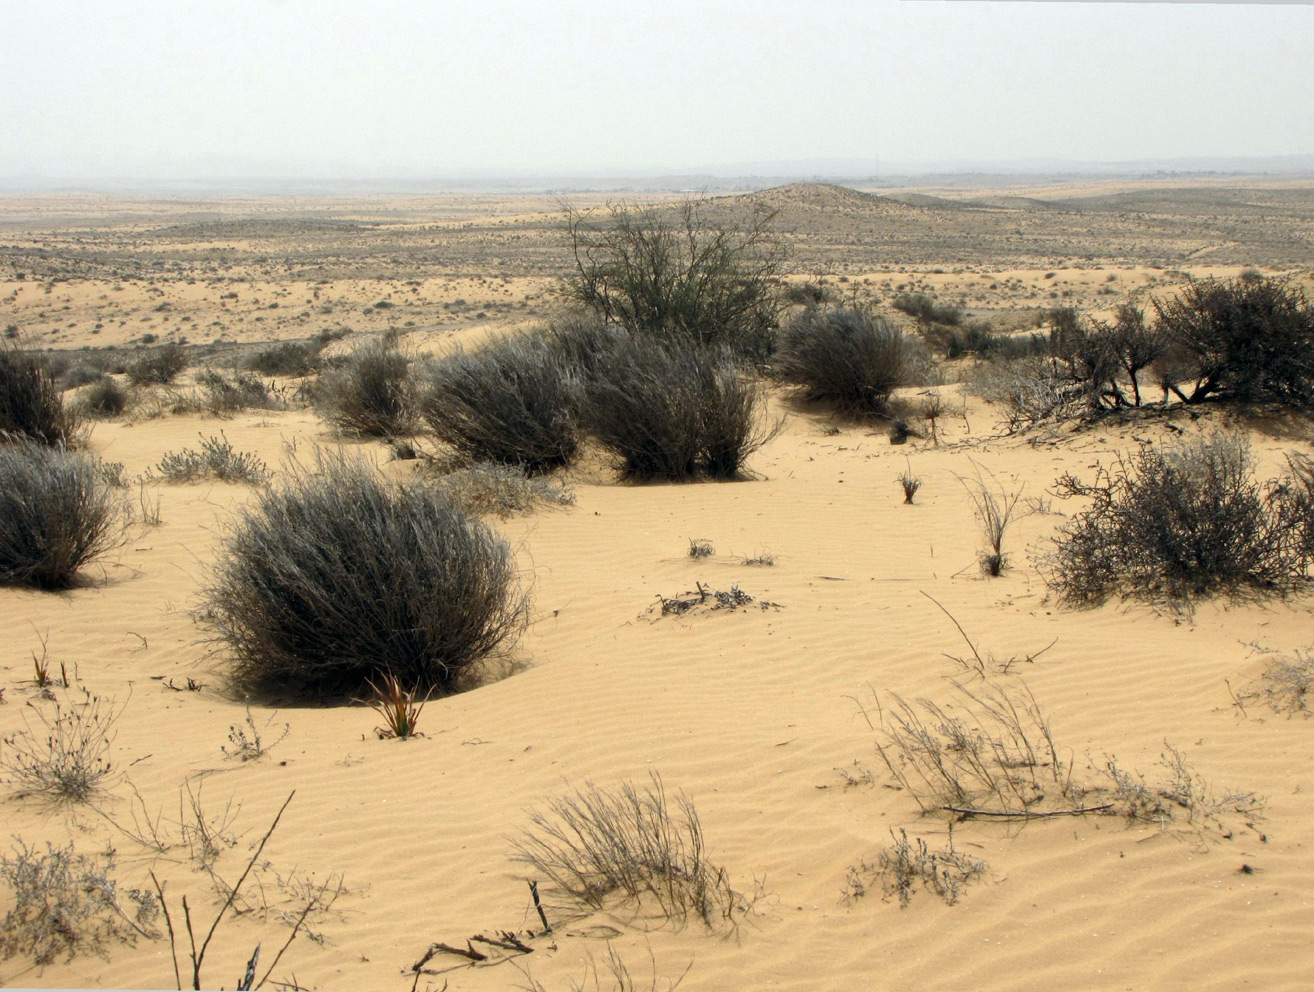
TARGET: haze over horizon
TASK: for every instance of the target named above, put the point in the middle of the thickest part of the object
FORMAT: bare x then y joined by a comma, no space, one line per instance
341,90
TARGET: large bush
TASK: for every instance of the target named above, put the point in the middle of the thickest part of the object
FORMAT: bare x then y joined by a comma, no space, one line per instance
1247,340
670,275
674,412
1182,521
514,401
847,357
369,393
56,515
340,578
31,403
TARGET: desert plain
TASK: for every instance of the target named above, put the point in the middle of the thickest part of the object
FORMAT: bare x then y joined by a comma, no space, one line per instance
766,716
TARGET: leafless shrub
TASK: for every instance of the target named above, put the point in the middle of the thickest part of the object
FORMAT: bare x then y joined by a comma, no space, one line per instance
222,393
159,367
903,864
1031,391
252,746
67,758
368,394
31,403
596,843
1285,685
994,507
910,484
700,548
617,977
65,903
1178,791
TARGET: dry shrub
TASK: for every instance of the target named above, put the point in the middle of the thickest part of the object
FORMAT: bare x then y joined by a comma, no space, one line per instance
67,758
160,367
502,490
675,412
1182,521
1285,685
596,843
340,577
222,393
104,398
903,864
31,403
56,515
288,358
514,401
845,356
65,903
217,459
994,507
369,393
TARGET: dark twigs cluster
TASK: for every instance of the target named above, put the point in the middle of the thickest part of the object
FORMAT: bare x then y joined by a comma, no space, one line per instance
597,843
905,863
712,599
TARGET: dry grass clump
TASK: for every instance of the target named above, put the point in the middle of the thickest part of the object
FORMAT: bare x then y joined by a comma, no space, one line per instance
222,393
103,398
288,358
1182,521
513,401
369,393
994,507
217,459
66,758
502,490
159,367
674,412
903,864
1285,685
65,903
598,843
56,515
31,402
340,577
845,356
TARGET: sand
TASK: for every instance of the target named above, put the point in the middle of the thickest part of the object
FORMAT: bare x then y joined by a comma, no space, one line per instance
759,716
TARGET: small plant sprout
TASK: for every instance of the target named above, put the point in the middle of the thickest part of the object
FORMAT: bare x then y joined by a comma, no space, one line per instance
994,507
249,748
910,483
397,706
700,548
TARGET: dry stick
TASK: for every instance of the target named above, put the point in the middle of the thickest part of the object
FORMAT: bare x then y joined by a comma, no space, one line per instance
538,905
168,921
508,942
469,951
959,626
296,928
1028,814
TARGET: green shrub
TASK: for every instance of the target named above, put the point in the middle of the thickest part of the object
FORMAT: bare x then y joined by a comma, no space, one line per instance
56,515
340,578
31,403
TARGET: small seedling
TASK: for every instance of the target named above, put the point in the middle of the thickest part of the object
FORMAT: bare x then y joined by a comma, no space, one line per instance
398,708
910,483
250,748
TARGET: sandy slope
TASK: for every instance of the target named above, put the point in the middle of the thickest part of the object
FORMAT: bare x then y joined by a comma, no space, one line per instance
750,713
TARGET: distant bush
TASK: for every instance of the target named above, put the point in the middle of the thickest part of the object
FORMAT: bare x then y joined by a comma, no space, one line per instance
674,412
340,578
670,275
1183,521
290,358
31,403
160,367
925,309
513,401
82,374
369,393
808,294
502,490
105,397
1246,340
56,515
845,356
239,391
978,338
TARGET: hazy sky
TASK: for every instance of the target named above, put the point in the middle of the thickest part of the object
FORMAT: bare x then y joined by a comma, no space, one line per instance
383,88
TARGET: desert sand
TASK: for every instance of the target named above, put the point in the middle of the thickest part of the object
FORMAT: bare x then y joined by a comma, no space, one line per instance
759,715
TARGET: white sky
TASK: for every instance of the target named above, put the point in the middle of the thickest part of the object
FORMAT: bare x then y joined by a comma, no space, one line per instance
446,87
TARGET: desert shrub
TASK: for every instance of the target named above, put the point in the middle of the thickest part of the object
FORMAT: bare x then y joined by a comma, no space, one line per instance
55,515
503,490
925,309
288,358
105,397
903,866
994,506
216,459
673,412
1181,521
1029,390
65,903
514,401
807,294
340,577
597,843
67,758
82,374
581,341
31,404
369,393
845,356
239,391
672,276
1245,340
979,338
159,367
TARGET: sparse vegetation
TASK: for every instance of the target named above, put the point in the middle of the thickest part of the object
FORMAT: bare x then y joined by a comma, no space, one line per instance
246,742
288,358
104,398
67,758
502,490
237,391
994,506
216,459
56,515
341,577
596,843
397,706
903,864
1181,521
159,367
